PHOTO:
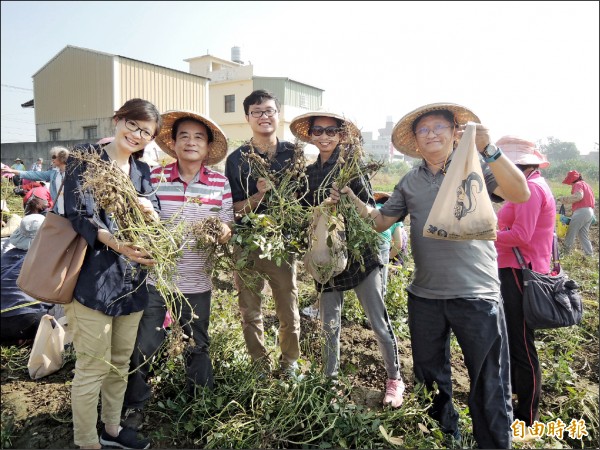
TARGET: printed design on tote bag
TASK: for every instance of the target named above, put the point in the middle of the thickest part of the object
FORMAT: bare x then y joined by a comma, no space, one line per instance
465,200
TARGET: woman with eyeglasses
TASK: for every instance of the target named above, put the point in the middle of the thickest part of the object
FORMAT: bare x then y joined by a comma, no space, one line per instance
111,293
53,176
327,131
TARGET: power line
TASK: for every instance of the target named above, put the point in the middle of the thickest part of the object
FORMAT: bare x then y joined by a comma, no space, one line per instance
17,87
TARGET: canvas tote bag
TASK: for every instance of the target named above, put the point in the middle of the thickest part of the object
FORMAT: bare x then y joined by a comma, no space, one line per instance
462,209
327,255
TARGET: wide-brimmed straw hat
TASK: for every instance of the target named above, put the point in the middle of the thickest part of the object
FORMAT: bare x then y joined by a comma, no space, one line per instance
300,125
403,137
521,151
217,149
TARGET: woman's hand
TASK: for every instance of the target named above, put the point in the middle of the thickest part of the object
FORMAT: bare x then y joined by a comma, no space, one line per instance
148,208
136,254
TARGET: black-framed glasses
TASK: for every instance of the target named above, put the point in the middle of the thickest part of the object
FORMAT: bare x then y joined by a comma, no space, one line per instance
267,112
329,131
437,130
132,126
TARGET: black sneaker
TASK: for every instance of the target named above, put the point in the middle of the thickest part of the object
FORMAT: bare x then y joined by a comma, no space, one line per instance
127,438
133,418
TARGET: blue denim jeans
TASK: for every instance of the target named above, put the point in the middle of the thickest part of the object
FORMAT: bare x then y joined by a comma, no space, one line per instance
480,329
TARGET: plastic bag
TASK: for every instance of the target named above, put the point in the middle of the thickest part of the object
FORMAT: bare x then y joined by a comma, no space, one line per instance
327,255
462,209
562,222
48,347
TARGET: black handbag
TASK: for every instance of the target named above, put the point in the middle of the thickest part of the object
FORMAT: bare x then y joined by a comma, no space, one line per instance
549,301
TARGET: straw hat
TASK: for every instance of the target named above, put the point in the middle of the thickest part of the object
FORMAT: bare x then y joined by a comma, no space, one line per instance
403,137
520,151
217,149
301,124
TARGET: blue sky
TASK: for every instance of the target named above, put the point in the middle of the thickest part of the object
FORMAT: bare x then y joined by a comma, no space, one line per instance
525,68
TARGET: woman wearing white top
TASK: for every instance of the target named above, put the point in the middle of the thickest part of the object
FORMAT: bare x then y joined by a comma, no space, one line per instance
55,175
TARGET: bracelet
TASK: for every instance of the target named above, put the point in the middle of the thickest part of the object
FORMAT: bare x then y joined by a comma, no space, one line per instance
491,158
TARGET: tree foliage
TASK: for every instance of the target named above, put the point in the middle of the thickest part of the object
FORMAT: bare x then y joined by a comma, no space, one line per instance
556,150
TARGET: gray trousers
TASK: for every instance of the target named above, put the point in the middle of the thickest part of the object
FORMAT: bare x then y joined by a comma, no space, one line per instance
369,295
581,220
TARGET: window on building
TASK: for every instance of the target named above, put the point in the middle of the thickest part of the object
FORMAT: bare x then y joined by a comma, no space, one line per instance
90,132
54,134
229,103
303,101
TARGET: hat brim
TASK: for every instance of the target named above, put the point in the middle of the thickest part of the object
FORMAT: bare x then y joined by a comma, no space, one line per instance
217,149
403,137
380,195
300,126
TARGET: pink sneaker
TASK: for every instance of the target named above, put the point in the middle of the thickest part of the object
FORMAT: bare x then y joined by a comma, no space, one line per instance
394,389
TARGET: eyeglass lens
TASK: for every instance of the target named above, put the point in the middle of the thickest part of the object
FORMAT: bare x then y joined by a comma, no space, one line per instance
438,129
258,114
132,126
329,131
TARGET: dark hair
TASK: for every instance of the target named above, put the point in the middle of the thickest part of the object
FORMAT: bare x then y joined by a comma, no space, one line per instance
258,97
524,167
35,205
311,121
448,115
179,121
139,109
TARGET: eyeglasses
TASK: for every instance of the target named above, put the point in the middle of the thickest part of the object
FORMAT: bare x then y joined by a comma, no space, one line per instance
268,112
437,130
54,156
329,131
132,126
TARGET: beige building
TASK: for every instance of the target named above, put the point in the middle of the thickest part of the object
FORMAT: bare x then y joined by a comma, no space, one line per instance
232,81
77,92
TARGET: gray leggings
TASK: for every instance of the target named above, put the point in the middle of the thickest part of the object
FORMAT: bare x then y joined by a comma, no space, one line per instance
369,295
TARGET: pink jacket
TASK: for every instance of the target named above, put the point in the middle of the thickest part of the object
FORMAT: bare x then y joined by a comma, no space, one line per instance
529,226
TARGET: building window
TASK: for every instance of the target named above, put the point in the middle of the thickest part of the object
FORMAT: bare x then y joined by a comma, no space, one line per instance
90,132
54,134
303,101
229,103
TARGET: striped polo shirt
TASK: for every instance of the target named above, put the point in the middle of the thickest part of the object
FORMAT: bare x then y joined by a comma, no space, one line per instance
208,194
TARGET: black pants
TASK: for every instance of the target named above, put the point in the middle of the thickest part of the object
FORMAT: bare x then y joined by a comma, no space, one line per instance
479,327
525,372
21,326
151,336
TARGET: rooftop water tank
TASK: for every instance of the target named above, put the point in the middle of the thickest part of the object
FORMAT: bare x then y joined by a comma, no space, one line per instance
236,55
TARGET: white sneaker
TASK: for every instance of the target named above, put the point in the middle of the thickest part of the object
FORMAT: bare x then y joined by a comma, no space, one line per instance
394,389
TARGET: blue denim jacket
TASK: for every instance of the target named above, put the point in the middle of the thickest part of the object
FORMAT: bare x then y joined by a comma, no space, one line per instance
107,283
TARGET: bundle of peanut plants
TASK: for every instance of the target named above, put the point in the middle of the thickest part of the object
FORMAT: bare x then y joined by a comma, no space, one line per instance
114,192
280,231
352,165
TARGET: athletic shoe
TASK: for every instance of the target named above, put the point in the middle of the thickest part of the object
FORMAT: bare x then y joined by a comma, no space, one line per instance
127,438
394,389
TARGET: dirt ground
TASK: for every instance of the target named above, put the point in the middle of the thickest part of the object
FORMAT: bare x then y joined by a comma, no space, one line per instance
41,411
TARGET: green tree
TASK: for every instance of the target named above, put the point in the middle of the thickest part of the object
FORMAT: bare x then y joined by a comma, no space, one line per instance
556,150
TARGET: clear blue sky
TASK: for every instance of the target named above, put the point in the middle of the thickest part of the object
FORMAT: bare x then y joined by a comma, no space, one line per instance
525,68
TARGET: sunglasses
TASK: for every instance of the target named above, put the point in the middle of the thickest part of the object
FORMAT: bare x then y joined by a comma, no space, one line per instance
329,131
54,157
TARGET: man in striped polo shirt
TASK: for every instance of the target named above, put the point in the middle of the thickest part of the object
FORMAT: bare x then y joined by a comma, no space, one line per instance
189,191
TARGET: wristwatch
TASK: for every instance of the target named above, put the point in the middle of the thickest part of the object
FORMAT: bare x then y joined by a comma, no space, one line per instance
491,153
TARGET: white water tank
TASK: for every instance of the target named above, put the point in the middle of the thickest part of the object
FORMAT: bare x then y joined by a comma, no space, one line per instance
236,55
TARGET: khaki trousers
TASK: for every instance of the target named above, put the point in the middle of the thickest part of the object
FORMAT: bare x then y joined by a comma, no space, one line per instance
103,345
282,281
